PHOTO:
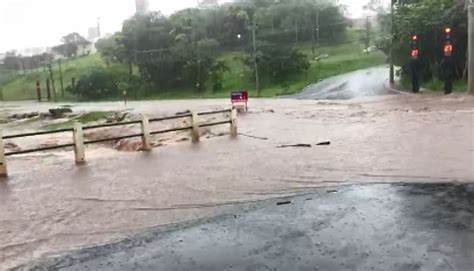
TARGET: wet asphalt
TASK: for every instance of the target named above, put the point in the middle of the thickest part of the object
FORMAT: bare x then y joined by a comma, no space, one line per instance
399,227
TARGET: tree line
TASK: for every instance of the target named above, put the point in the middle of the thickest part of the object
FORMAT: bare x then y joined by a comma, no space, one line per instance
182,50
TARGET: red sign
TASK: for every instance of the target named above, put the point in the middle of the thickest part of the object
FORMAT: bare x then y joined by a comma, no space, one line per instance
240,97
415,53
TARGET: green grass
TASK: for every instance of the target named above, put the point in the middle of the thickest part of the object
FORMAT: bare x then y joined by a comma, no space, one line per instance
343,58
437,85
85,118
458,86
20,86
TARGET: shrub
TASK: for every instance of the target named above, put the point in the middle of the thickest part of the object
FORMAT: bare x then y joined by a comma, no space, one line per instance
97,83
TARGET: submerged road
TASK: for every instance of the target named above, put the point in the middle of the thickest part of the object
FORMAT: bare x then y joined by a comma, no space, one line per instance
364,227
361,83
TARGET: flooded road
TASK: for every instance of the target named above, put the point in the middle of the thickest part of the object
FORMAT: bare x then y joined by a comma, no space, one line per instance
400,227
361,83
50,206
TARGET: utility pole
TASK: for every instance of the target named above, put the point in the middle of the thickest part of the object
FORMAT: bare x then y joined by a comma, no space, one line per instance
98,27
296,30
52,81
470,10
315,29
61,78
392,68
257,83
367,34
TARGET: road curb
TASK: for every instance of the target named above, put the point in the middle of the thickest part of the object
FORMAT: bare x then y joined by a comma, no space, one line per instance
391,89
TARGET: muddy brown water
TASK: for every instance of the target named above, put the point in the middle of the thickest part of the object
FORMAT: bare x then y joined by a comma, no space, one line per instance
48,205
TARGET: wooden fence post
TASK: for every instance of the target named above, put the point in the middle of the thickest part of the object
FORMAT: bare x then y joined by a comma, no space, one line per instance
3,161
233,123
195,133
79,150
146,137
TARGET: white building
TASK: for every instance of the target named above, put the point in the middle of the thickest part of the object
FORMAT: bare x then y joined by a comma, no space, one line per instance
141,6
86,49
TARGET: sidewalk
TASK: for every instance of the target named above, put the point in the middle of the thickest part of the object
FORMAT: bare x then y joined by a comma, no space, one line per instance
397,89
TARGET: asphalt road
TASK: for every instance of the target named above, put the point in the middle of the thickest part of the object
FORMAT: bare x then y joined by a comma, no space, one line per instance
365,227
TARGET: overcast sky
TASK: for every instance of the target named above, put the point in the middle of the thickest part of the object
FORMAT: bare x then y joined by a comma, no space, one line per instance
36,23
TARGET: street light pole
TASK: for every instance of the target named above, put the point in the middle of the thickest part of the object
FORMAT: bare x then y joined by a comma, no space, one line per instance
98,27
316,28
257,82
470,11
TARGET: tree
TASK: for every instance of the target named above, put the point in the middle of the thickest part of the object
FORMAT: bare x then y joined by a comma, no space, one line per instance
96,83
426,18
216,74
181,50
277,62
110,49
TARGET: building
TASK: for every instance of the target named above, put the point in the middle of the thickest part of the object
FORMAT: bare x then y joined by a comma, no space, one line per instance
86,48
31,51
141,6
93,33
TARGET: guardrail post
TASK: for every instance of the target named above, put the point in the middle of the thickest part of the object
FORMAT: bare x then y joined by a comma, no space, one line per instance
195,133
233,123
3,161
146,138
79,150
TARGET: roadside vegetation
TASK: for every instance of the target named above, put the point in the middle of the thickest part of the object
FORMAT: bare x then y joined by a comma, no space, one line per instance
428,20
206,52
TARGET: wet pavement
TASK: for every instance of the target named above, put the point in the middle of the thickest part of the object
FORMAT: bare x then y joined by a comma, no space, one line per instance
400,227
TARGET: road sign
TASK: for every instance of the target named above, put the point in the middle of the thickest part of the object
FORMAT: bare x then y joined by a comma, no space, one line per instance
239,98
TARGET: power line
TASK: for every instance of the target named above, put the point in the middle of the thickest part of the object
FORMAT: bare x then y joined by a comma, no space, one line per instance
153,50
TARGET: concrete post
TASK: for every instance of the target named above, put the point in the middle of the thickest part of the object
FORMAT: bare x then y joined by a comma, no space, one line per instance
79,149
195,133
471,47
146,138
233,123
3,161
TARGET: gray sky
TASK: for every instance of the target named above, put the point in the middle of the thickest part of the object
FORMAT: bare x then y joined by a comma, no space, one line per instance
36,23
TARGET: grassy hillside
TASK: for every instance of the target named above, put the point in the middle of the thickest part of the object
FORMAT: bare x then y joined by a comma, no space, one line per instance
20,86
342,58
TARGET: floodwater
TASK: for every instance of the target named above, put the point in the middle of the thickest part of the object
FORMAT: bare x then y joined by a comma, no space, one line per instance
366,82
48,205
